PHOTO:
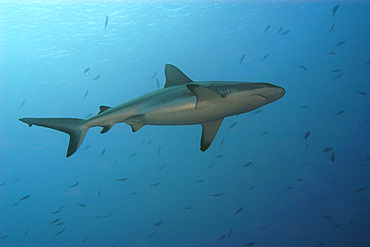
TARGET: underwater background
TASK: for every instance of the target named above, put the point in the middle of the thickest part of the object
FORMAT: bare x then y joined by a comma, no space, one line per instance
294,174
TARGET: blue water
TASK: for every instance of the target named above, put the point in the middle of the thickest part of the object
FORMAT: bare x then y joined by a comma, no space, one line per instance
46,46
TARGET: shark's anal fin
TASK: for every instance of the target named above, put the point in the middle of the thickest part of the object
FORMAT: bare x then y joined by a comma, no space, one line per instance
174,76
105,129
204,95
136,122
103,108
209,132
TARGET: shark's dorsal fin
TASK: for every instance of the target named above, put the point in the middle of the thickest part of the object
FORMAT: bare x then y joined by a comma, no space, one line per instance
136,122
103,108
174,76
204,95
209,132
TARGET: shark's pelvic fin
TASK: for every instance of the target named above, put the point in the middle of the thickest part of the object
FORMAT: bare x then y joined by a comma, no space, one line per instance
136,122
174,76
103,108
209,132
72,126
204,95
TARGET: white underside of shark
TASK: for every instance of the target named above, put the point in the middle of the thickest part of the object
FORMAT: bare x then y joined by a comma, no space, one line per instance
181,102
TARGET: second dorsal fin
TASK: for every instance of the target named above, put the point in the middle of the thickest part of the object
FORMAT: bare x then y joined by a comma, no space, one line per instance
103,108
174,76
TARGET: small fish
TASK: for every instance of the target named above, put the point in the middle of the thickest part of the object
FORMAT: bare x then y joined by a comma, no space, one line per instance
87,92
63,206
222,142
160,168
242,58
108,215
340,43
304,107
89,115
248,164
328,149
265,56
22,104
102,152
332,28
156,184
332,53
199,181
114,163
299,179
264,133
251,188
326,217
281,28
338,76
303,67
289,188
106,21
249,244
55,212
209,167
85,147
25,197
339,113
230,232
308,133
233,125
362,93
96,77
360,189
59,224
54,221
320,245
366,159
16,180
83,240
351,223
99,194
332,158
149,142
25,233
187,208
157,81
158,223
60,231
304,164
336,70
336,226
285,33
133,193
238,211
132,155
86,70
74,185
217,195
335,8
4,237
2,184
258,111
263,228
155,73
15,204
267,28
151,235
219,156
97,217
122,179
81,205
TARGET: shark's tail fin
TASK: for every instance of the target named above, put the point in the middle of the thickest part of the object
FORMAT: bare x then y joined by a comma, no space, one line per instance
72,126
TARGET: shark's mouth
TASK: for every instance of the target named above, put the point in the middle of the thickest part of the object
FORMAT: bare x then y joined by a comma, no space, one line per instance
260,95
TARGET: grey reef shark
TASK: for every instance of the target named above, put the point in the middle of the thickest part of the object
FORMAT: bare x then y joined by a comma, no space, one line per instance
181,102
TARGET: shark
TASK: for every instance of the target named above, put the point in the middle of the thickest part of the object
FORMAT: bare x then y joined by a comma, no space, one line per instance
182,101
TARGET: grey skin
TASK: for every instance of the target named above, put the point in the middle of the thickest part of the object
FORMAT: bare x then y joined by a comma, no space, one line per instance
181,102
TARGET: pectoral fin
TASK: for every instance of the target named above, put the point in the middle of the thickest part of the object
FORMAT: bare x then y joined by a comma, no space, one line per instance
209,132
204,95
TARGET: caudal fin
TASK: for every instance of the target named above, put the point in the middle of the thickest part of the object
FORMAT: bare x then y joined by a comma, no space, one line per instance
72,126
